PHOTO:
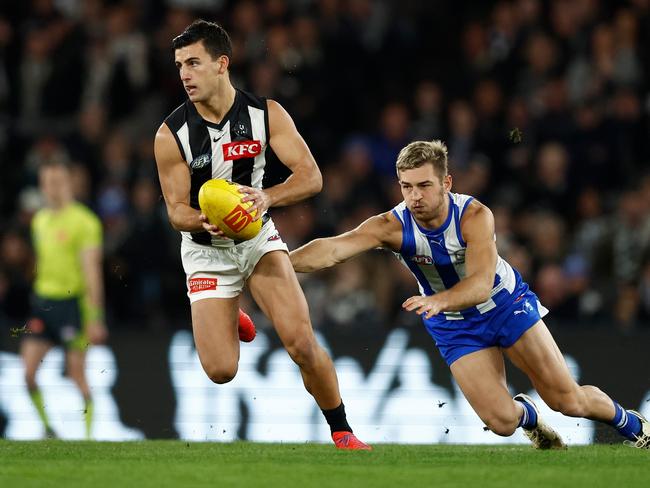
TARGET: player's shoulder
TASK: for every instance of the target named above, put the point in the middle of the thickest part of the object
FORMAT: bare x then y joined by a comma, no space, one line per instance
82,212
475,208
40,216
389,227
477,215
398,210
385,225
252,100
468,205
390,219
177,117
461,200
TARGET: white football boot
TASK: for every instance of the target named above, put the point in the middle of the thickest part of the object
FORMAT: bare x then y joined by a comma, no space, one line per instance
643,437
542,435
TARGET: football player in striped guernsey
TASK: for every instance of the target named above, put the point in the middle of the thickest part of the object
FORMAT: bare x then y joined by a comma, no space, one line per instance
473,303
223,132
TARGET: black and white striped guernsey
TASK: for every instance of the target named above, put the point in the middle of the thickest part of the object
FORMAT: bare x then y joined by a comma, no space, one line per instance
234,149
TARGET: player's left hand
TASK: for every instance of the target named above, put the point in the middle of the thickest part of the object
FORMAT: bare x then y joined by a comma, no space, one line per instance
210,228
427,306
259,198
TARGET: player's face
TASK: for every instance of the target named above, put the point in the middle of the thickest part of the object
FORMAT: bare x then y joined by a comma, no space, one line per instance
54,182
424,191
199,72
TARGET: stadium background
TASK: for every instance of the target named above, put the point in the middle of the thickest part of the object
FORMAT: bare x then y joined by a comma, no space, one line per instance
544,107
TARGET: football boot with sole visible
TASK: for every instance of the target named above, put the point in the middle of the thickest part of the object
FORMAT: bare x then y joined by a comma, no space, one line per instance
542,435
643,437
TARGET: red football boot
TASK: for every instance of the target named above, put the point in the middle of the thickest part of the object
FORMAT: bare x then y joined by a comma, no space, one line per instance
347,440
246,327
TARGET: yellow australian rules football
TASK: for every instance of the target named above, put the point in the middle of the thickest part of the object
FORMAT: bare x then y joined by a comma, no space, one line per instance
221,203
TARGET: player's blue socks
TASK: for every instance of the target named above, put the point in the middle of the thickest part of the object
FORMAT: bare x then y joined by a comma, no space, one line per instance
628,425
529,418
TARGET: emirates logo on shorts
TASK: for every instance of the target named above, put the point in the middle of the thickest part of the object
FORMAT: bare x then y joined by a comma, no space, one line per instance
202,284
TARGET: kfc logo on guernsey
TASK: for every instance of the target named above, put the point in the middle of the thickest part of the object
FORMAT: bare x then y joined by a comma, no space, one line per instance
241,149
202,284
422,259
238,218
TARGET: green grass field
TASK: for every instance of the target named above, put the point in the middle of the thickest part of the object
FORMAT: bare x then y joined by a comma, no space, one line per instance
176,463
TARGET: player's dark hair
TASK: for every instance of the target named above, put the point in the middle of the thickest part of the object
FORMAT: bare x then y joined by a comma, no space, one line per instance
214,37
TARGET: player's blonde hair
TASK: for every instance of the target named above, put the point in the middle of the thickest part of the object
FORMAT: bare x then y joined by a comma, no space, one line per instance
418,153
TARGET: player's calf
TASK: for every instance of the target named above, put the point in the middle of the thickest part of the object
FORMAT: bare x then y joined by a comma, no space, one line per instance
573,401
590,402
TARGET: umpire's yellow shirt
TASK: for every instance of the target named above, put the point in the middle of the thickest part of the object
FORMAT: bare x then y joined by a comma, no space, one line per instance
59,237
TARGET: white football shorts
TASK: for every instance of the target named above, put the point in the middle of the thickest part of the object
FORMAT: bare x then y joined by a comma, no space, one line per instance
221,272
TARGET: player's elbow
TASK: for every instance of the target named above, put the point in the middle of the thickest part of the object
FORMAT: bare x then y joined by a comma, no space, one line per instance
484,295
175,225
484,289
315,182
299,265
174,220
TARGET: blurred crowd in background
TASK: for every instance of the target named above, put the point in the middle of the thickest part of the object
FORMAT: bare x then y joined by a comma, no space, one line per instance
544,106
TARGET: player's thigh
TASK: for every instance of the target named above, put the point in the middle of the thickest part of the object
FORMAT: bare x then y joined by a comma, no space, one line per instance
276,290
32,352
482,379
214,323
539,357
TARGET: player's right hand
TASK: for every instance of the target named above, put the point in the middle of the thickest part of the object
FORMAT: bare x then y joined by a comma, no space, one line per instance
208,227
97,333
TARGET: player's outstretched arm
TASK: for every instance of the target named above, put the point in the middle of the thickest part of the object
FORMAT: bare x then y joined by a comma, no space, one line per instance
175,181
290,148
378,231
477,228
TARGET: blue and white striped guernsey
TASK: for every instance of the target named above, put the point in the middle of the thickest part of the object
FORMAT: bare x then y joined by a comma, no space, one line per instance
437,258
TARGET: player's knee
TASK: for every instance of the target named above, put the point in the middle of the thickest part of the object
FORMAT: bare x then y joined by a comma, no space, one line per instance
504,428
303,350
502,422
221,374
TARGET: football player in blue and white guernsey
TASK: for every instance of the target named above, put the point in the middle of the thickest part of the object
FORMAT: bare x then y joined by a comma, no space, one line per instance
473,303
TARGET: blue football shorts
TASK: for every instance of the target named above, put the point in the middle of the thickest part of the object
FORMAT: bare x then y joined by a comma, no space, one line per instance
502,326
